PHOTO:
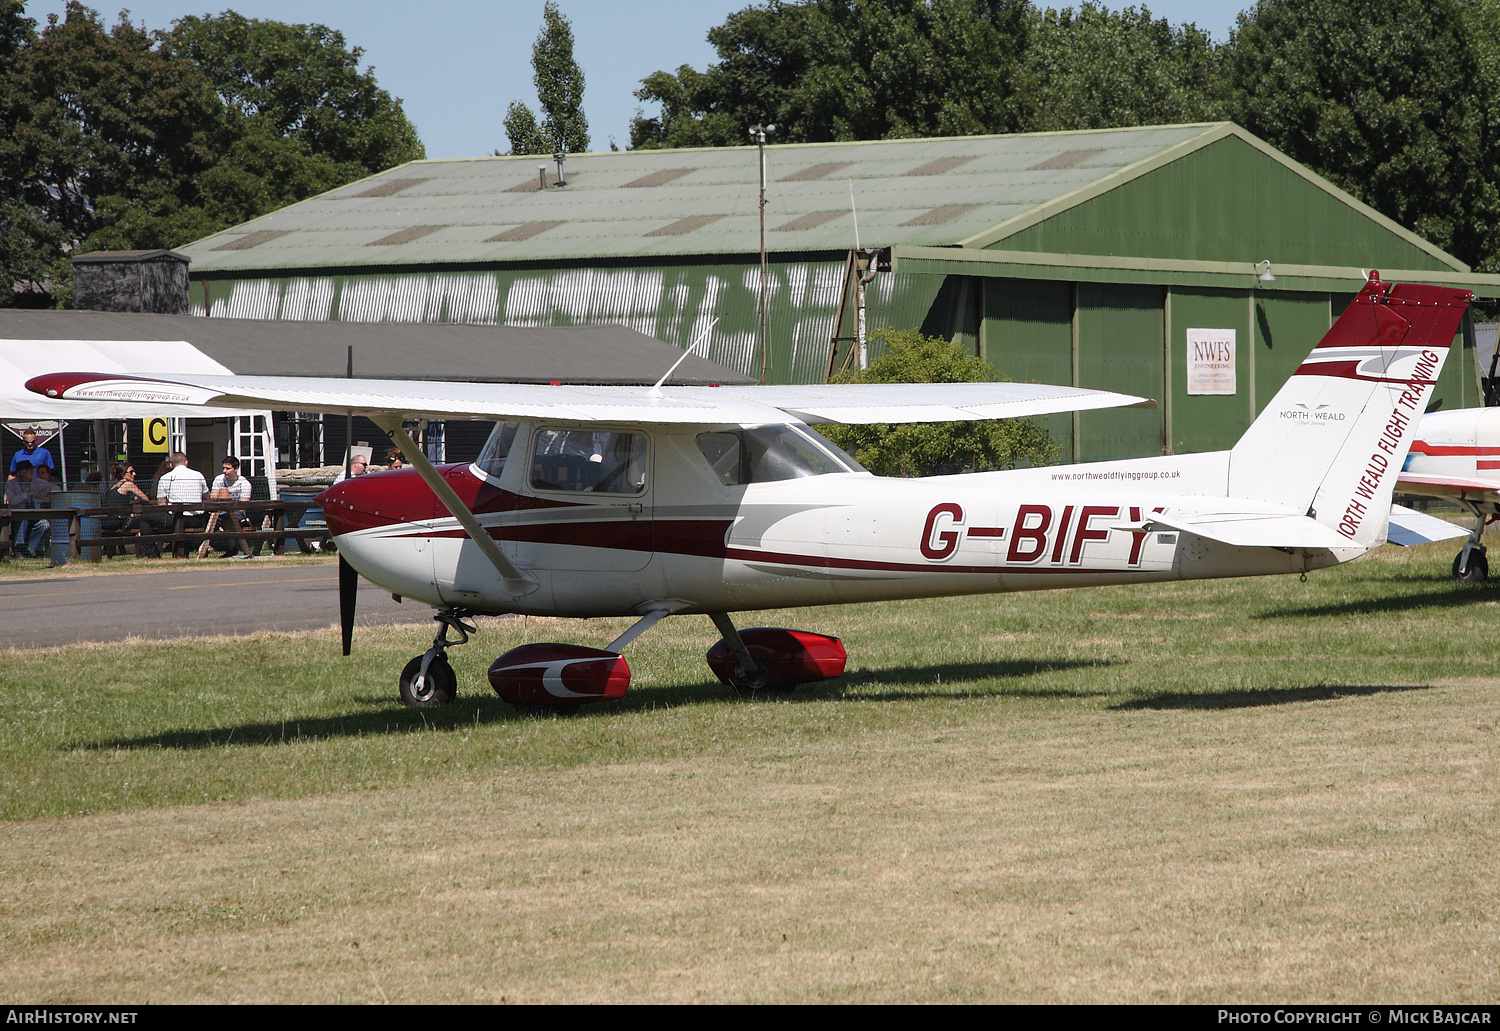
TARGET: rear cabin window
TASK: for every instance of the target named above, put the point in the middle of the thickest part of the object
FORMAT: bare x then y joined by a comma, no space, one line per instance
769,453
589,461
497,448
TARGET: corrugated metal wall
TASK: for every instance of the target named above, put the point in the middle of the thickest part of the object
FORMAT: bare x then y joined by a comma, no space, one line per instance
1229,202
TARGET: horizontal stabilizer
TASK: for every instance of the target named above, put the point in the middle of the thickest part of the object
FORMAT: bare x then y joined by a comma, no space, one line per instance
1409,527
1251,530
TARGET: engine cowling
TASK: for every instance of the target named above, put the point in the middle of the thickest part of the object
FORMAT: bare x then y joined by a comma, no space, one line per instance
788,656
559,674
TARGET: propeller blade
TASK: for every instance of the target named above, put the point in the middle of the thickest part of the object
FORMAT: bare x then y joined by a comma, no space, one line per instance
348,589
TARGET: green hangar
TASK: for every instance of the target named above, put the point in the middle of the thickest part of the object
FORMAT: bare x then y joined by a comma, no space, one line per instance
1190,263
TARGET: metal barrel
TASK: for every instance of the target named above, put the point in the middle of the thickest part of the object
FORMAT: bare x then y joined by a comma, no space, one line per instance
87,528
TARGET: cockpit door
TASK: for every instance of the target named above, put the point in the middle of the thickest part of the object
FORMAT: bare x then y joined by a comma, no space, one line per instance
591,500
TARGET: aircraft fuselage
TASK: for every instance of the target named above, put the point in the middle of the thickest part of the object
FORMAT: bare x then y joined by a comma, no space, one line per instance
682,535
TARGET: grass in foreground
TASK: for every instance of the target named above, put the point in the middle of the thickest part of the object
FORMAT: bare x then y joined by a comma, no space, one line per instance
1242,790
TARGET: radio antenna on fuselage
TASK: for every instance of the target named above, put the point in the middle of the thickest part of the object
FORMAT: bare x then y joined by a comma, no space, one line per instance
656,390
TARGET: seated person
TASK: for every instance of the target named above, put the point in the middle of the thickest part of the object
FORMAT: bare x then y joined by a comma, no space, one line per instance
183,485
18,496
394,459
358,465
122,494
231,486
42,486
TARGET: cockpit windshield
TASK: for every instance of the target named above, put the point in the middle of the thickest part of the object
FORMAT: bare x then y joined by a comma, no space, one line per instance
768,453
492,457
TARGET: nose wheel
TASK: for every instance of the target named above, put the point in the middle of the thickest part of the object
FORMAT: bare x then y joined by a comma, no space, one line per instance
437,685
428,679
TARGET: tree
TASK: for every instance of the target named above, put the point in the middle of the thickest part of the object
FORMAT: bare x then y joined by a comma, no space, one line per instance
97,119
559,90
521,130
930,449
845,70
1097,69
121,138
303,83
1396,103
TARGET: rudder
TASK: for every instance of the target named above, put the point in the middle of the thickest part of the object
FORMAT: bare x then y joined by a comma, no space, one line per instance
1333,439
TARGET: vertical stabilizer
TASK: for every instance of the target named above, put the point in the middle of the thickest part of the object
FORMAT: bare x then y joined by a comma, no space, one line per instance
1332,441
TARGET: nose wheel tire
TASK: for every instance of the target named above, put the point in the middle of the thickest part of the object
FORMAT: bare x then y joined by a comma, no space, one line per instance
438,687
1477,570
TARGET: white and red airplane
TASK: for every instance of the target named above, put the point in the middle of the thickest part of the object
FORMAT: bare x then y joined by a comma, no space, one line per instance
1456,455
595,501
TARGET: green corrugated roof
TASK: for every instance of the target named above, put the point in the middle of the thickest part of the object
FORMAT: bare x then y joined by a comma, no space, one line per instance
967,191
600,216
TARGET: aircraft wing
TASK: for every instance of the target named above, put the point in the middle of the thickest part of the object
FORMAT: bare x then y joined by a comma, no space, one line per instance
1459,488
855,403
851,403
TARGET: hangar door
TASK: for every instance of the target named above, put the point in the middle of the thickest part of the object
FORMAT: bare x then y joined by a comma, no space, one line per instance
1120,348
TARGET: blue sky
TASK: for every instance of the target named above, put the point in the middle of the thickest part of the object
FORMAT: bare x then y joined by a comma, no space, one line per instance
457,63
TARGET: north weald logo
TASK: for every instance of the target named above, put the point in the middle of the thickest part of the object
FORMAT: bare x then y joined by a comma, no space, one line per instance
1318,415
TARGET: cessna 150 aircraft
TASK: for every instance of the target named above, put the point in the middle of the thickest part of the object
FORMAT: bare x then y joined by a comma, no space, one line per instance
592,501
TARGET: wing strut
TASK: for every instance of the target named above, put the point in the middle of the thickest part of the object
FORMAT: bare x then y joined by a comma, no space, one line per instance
517,582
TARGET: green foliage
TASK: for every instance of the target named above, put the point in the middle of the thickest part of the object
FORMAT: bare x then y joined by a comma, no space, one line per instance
302,83
559,89
94,114
1396,103
931,449
845,70
521,130
1098,69
121,138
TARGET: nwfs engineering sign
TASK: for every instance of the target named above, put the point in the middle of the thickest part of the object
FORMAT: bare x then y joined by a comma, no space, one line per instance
1210,361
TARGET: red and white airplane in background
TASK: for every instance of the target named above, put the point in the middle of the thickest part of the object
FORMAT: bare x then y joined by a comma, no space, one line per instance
628,501
1457,456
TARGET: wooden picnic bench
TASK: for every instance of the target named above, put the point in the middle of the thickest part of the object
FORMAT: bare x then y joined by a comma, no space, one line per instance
282,517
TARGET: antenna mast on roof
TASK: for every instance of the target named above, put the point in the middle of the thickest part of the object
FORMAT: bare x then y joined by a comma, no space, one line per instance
758,134
863,276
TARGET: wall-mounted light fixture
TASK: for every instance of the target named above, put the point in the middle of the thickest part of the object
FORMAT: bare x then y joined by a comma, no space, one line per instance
1264,276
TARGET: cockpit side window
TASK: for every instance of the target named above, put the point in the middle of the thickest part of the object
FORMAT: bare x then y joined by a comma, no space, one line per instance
497,448
589,460
769,453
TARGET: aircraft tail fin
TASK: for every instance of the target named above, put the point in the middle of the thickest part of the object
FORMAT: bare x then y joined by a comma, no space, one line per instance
1332,441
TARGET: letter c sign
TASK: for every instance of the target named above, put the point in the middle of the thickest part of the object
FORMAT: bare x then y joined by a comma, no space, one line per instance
941,545
154,436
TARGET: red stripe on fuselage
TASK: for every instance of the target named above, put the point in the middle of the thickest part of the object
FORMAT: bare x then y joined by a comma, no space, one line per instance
1421,447
705,539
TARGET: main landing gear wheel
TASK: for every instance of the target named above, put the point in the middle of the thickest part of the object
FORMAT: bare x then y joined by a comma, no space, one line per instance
438,687
1476,570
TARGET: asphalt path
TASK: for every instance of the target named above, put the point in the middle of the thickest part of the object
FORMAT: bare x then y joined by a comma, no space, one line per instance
212,599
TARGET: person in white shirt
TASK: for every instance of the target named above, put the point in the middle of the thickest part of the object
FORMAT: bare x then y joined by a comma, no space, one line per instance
358,466
183,485
231,486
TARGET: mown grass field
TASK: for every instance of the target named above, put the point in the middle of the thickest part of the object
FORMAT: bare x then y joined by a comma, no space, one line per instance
1259,790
